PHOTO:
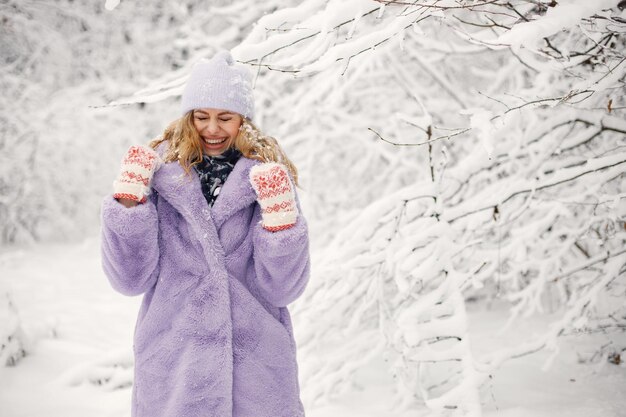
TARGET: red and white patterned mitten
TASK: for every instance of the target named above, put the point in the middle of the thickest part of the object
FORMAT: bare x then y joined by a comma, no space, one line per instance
275,195
138,166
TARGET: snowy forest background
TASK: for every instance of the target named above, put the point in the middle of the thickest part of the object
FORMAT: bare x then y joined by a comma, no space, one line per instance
462,165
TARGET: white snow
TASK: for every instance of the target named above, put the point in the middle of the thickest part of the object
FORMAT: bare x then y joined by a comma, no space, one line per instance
86,369
111,4
565,14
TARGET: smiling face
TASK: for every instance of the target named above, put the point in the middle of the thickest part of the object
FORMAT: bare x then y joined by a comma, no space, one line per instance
217,129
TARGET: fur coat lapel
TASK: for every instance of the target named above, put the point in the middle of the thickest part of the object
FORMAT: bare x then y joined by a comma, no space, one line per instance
237,192
184,193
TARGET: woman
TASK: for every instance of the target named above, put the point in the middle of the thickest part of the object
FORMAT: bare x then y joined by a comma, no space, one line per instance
207,226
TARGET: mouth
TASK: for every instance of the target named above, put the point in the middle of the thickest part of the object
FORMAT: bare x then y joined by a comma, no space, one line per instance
217,141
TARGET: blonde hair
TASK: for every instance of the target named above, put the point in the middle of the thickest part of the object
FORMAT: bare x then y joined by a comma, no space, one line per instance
185,145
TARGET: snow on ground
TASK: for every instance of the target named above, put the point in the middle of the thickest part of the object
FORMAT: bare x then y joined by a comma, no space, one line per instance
567,388
82,327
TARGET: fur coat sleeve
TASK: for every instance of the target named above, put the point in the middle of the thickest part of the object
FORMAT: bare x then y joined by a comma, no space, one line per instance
130,245
281,261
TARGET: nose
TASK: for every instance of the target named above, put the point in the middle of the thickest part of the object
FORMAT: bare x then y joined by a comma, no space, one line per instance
212,126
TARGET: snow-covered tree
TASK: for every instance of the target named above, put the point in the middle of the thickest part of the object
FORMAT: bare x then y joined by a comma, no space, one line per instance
62,62
506,180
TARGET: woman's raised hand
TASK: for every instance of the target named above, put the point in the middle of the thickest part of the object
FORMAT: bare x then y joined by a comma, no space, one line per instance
275,195
132,185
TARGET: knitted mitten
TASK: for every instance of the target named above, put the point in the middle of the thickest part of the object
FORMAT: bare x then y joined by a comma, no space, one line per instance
138,166
275,195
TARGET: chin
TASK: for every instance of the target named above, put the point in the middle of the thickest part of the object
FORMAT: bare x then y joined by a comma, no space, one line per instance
213,152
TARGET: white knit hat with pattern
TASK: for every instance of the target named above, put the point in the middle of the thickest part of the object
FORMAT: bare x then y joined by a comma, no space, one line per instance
219,83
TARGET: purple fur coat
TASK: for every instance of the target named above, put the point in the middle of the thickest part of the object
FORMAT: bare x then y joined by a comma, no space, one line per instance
213,337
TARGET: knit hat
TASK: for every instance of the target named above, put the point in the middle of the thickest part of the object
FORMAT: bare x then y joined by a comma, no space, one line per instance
219,83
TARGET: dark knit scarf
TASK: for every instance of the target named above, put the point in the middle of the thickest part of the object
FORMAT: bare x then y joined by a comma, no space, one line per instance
213,171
